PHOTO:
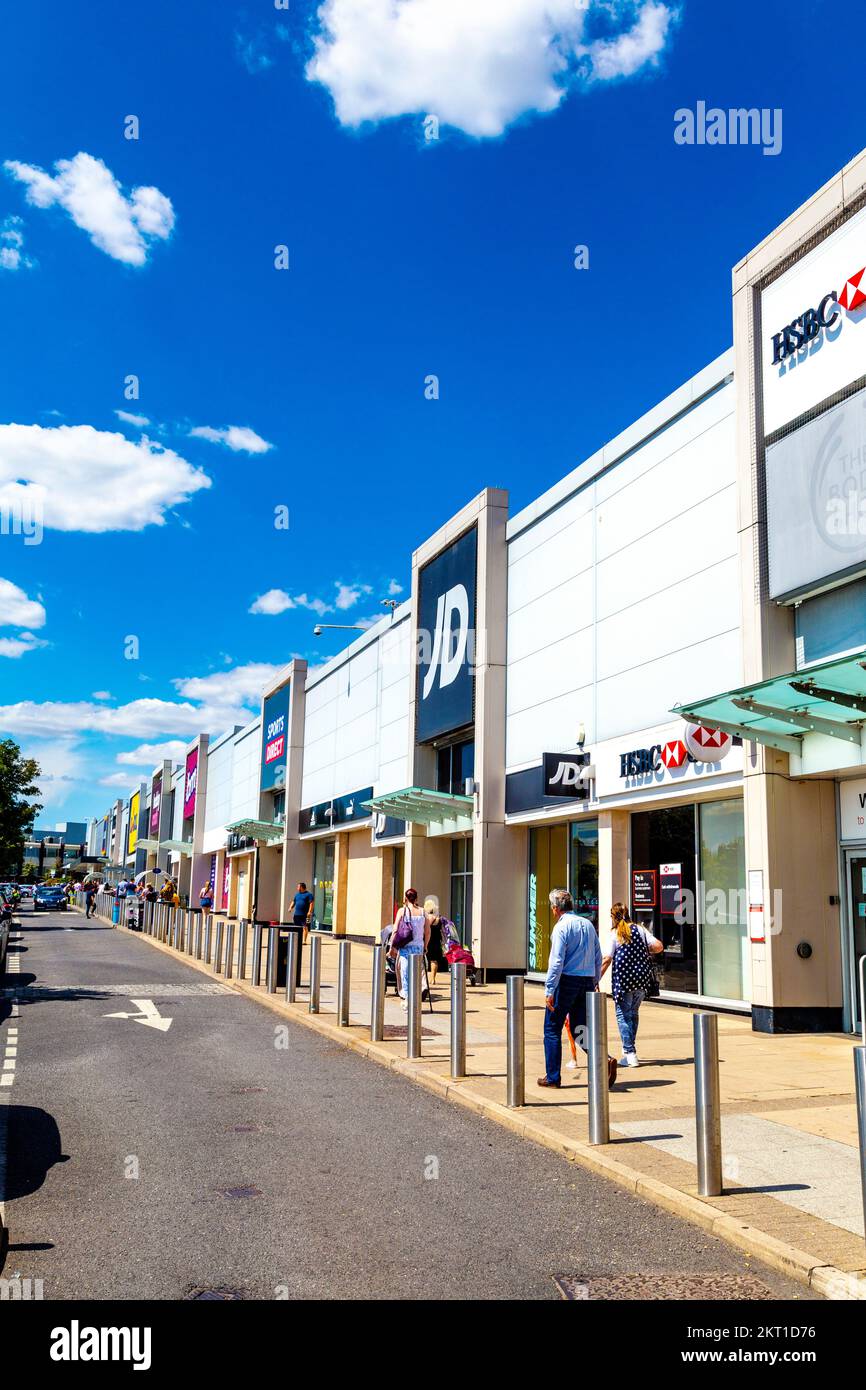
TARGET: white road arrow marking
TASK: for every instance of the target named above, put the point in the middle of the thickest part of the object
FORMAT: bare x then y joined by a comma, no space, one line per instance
148,1014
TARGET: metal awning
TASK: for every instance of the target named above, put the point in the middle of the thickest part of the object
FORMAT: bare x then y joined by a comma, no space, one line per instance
443,813
266,830
177,846
148,845
828,699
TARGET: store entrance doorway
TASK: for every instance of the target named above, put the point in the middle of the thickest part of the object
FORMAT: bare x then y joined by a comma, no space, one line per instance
857,918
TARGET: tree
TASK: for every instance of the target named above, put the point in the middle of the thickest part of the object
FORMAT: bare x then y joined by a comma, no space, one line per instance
18,788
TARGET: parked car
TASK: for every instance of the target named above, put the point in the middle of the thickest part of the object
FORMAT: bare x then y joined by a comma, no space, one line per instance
27,890
49,897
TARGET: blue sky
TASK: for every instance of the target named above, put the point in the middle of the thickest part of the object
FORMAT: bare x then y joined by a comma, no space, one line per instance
407,257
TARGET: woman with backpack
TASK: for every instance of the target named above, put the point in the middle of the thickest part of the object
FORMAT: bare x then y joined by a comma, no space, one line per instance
411,937
633,978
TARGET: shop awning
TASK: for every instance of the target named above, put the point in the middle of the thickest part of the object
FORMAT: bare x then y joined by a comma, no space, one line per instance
177,846
828,698
443,813
148,845
257,830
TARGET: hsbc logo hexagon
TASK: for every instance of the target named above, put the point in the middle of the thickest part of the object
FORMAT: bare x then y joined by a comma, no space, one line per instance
674,753
707,745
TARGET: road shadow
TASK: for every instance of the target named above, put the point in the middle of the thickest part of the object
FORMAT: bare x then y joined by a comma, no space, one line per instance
33,1148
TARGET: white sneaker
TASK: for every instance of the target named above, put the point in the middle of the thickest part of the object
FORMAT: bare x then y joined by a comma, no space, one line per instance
404,1005
632,1060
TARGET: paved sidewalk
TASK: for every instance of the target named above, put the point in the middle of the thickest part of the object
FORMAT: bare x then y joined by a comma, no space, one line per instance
789,1129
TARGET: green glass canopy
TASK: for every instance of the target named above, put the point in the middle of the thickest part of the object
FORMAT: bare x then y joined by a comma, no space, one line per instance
257,830
443,813
828,698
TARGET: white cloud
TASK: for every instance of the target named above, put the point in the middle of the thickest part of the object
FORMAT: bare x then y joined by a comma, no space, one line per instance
16,609
139,421
12,255
394,589
77,478
122,226
123,780
274,601
479,66
149,754
349,594
18,646
241,685
101,695
238,438
251,51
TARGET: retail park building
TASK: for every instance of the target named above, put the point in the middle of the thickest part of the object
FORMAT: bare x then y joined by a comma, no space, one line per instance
647,685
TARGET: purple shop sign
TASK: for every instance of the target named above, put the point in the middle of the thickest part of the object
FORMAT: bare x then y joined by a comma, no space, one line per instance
155,799
189,785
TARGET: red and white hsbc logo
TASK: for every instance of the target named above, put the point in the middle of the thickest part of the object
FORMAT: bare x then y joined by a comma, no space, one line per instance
806,327
700,745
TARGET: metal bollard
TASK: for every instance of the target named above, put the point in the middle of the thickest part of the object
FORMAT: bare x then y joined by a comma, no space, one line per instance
208,934
597,1083
175,927
344,959
315,972
413,1020
198,936
230,949
708,1111
181,930
273,957
148,918
516,1042
377,1001
257,953
458,1020
242,949
218,948
860,1089
294,944
190,933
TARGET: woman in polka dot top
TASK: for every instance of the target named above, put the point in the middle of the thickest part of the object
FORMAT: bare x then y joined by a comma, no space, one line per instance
629,950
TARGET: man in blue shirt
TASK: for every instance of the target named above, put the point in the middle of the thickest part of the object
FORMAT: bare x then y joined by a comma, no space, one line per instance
302,909
572,973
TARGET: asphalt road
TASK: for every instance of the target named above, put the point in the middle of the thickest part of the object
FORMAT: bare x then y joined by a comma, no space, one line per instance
232,1151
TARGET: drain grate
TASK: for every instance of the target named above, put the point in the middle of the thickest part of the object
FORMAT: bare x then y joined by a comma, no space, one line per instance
662,1288
213,1295
239,1191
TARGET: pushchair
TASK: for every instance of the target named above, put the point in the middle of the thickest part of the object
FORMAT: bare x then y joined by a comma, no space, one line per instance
458,955
391,970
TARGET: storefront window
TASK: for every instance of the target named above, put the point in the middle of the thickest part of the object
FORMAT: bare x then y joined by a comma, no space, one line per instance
323,884
666,840
397,877
454,765
461,888
548,868
724,938
583,880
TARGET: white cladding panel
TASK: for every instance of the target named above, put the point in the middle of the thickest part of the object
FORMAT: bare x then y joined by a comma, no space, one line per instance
246,775
219,786
624,599
357,722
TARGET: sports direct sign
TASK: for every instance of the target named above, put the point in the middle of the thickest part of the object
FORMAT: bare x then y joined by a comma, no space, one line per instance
190,783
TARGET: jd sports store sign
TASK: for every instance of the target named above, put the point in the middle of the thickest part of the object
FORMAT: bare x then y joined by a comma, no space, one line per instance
446,640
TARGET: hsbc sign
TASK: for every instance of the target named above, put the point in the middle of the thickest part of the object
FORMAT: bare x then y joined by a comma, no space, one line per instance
700,745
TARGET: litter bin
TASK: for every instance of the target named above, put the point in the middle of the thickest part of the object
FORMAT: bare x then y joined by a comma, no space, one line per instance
115,913
283,953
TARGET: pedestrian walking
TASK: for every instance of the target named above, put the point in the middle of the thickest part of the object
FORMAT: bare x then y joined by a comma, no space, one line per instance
633,979
411,938
573,972
89,898
443,935
302,909
205,898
